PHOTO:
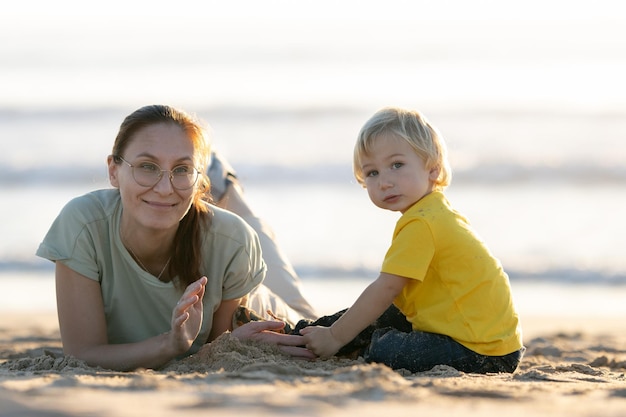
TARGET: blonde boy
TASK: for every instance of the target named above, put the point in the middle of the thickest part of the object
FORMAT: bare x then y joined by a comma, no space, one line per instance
437,272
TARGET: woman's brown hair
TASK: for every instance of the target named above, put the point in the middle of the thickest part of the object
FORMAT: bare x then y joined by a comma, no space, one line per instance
186,256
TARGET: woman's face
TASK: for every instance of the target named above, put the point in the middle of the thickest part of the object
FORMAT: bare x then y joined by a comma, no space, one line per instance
161,206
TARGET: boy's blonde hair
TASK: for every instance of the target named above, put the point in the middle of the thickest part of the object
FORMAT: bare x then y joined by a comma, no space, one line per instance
411,126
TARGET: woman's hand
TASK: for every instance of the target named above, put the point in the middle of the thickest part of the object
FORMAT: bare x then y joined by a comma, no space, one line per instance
187,316
264,331
321,341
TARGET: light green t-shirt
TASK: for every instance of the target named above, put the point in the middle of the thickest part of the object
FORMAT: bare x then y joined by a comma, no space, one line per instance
457,287
85,237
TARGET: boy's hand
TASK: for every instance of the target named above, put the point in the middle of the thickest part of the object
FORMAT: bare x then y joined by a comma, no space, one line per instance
321,341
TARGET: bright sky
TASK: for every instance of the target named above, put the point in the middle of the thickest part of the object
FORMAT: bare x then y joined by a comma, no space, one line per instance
566,49
535,10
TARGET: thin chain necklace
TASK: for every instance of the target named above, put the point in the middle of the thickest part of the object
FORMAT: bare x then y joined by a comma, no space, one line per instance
144,267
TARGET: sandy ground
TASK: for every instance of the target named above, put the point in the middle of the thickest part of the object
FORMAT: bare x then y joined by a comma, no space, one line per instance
573,367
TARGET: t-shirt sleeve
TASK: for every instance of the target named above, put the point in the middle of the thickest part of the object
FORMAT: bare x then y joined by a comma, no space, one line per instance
69,241
246,269
411,251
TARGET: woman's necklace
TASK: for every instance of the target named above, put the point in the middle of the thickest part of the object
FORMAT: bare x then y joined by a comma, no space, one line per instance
144,267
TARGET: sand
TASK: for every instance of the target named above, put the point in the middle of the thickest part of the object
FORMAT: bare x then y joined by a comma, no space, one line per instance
571,368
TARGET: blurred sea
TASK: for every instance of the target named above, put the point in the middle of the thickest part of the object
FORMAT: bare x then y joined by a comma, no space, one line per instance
535,122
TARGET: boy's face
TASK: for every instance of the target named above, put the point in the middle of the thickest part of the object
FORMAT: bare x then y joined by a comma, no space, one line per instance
395,175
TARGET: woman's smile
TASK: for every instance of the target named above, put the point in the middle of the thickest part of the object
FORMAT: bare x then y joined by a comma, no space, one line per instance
159,205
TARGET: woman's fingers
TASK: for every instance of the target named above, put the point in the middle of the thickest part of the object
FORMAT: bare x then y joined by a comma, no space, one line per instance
265,331
180,319
281,339
262,325
193,293
298,352
185,302
202,282
197,287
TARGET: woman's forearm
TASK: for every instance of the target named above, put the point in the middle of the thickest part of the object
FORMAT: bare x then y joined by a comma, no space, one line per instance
150,353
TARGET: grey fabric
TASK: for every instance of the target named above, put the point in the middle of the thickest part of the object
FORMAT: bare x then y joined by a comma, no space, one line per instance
221,174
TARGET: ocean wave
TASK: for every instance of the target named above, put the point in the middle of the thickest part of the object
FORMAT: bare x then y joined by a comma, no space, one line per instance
575,146
552,275
485,174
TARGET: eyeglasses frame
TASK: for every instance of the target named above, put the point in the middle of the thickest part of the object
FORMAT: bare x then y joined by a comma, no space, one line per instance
169,172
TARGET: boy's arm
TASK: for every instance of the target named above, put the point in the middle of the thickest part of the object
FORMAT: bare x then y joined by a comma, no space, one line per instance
377,297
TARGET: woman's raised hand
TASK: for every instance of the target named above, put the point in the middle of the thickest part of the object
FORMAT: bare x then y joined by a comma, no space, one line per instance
187,316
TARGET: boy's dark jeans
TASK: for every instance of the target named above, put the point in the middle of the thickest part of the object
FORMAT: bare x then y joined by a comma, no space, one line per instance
391,341
421,351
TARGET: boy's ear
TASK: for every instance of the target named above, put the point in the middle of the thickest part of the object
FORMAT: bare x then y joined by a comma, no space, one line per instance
434,173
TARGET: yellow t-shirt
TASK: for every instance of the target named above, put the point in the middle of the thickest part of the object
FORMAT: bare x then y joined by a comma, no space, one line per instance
457,287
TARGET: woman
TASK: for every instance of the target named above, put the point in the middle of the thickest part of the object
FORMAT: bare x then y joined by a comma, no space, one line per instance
149,271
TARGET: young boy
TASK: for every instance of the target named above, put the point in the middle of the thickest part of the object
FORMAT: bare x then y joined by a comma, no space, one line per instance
437,272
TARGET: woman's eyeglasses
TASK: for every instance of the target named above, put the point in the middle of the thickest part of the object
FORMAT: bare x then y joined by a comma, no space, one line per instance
148,174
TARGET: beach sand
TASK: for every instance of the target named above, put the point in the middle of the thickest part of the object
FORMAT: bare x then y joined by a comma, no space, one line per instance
573,367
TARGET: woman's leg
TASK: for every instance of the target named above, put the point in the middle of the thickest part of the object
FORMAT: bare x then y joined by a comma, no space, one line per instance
281,279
